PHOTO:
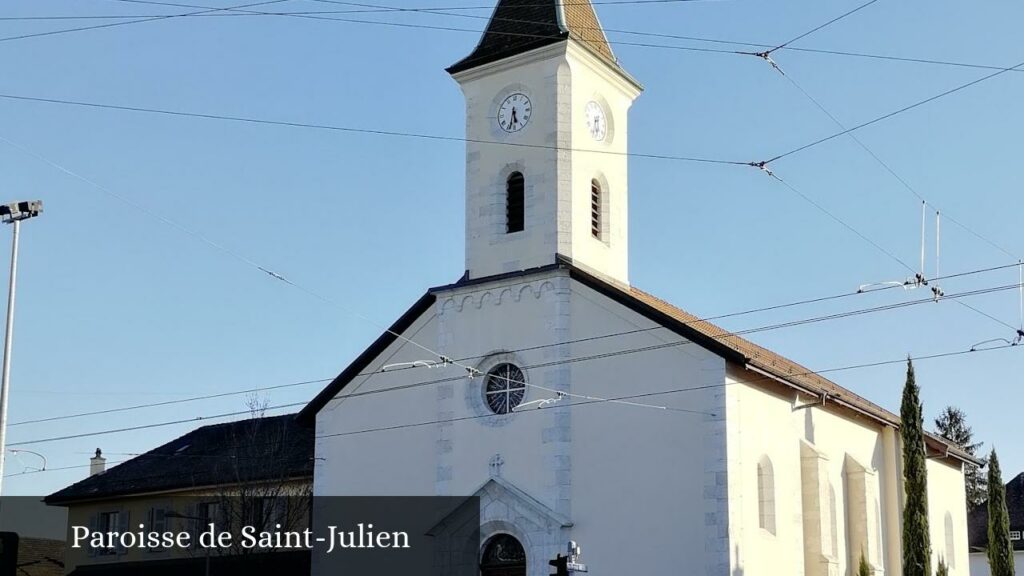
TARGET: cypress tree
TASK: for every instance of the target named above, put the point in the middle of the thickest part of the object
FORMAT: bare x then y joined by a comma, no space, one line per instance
916,545
1000,549
863,569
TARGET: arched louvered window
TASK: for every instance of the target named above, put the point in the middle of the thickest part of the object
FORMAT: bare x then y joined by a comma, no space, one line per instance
595,209
766,495
515,203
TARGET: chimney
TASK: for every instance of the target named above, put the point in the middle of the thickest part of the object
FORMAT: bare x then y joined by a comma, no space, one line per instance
97,464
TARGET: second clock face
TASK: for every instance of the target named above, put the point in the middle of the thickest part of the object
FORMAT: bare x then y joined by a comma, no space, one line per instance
597,124
514,112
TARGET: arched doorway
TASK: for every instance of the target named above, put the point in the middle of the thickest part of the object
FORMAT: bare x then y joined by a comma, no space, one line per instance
503,555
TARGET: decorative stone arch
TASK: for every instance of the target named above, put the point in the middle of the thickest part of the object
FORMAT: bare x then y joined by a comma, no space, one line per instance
505,509
475,390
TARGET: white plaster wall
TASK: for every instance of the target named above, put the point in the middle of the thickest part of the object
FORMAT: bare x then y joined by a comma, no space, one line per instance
592,80
947,494
633,481
979,563
763,422
355,460
649,486
557,157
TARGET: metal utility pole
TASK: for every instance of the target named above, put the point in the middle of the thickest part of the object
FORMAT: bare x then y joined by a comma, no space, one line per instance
11,214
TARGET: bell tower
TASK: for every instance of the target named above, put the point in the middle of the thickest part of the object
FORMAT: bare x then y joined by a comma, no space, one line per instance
546,129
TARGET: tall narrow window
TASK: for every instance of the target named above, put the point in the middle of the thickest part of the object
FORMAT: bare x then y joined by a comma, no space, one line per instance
766,495
833,521
595,209
515,203
950,542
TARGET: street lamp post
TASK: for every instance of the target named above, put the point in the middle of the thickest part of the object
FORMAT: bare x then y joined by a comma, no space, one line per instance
11,214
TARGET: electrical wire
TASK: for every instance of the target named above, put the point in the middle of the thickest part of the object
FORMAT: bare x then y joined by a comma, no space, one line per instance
823,26
477,356
647,394
605,355
906,185
623,398
140,21
899,178
894,113
350,129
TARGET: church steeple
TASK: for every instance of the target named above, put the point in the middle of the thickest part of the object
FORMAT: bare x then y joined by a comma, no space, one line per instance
546,162
518,26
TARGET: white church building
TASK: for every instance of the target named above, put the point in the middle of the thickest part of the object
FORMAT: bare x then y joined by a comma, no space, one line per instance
757,467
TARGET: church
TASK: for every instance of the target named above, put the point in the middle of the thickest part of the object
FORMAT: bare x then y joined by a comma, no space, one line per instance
581,408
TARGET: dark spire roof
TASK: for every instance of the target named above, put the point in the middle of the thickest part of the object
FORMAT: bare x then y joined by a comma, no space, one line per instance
518,26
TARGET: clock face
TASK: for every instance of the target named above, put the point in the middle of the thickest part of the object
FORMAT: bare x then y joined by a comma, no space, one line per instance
514,112
597,125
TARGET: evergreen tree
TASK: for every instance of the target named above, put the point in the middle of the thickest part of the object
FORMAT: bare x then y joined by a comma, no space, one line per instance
952,425
1000,549
863,569
942,570
916,544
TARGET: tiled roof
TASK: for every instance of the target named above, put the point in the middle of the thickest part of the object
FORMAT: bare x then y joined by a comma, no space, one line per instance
977,517
731,347
518,26
766,360
40,557
256,449
742,350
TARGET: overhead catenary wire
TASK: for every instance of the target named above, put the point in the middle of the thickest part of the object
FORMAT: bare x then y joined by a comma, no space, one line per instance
477,356
604,355
470,370
448,10
623,398
139,21
897,112
921,275
352,129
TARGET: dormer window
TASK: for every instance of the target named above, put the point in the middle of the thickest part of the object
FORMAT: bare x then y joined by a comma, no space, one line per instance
595,209
515,203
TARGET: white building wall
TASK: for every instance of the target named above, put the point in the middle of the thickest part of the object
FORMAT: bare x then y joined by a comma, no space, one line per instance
557,157
979,563
762,422
947,495
631,480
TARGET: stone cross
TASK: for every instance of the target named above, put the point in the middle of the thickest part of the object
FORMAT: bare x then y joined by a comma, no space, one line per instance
495,464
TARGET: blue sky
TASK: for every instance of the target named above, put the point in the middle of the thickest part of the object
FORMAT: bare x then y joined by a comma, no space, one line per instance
117,308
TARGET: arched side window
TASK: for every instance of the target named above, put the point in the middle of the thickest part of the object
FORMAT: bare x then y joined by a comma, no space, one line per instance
596,223
950,542
515,203
503,555
766,495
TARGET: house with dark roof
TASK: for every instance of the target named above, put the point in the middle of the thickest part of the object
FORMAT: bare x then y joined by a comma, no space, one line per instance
580,408
259,468
977,519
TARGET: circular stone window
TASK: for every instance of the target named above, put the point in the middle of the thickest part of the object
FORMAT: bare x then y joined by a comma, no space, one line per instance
504,388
